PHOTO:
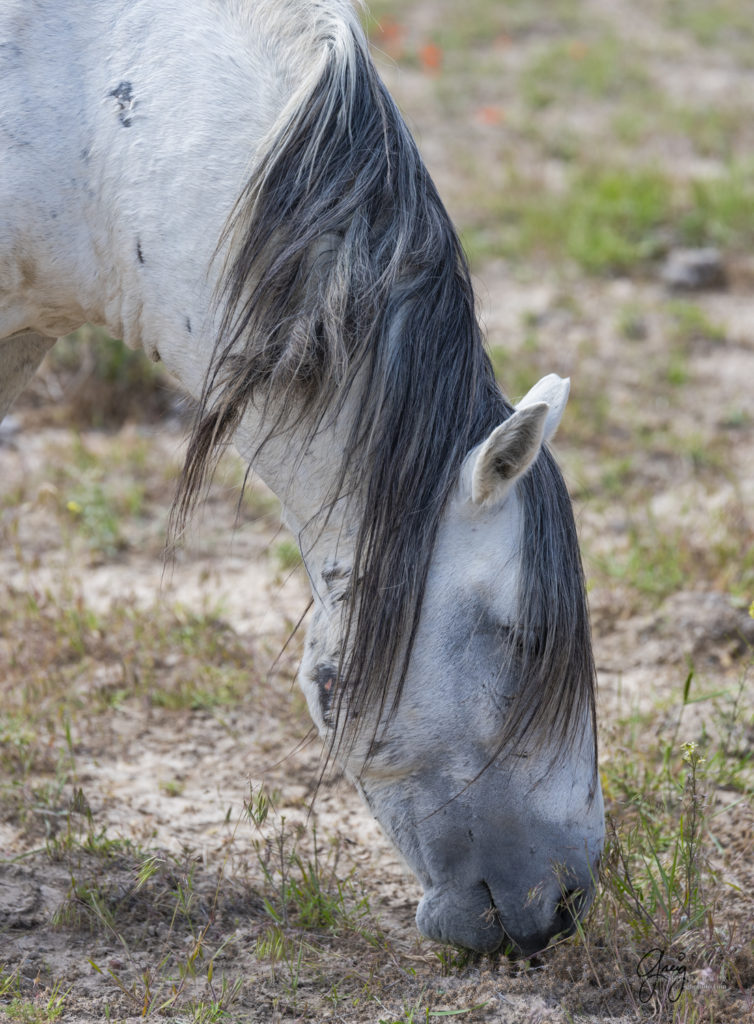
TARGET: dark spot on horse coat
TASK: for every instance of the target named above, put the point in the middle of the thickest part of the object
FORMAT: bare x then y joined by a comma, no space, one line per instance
124,94
188,324
28,272
334,573
324,677
337,579
139,253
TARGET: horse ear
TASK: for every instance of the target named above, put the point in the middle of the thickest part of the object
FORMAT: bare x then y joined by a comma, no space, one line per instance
554,391
507,453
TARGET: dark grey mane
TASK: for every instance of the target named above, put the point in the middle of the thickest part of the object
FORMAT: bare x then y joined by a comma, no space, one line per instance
346,272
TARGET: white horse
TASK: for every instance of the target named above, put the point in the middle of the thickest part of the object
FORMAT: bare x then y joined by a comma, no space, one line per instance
228,185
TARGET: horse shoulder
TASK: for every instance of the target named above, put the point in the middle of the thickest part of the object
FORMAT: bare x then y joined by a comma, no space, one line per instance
41,220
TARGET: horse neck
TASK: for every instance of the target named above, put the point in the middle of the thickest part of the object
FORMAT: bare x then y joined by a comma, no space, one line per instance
167,274
304,472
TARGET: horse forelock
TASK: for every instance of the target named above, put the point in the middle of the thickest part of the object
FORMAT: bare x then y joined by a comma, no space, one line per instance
344,272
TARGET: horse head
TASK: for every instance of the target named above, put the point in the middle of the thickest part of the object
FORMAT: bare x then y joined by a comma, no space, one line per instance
483,773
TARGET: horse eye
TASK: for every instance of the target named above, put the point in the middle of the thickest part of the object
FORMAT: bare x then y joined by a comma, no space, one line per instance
532,645
524,645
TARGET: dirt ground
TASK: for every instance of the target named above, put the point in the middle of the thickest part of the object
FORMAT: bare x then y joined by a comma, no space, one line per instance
145,708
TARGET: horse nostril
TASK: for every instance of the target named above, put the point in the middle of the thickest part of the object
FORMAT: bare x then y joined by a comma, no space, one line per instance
569,910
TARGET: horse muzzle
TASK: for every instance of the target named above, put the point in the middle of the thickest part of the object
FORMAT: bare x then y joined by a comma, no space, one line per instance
475,919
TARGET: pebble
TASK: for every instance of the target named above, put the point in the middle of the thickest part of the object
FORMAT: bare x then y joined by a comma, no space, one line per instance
10,426
690,270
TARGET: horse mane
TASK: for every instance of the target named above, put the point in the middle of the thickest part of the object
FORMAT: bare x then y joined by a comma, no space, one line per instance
345,276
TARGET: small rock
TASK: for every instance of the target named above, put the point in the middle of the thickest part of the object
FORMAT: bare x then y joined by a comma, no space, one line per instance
708,621
10,426
690,270
19,900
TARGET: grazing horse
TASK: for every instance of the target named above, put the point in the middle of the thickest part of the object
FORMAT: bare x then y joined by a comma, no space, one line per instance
228,185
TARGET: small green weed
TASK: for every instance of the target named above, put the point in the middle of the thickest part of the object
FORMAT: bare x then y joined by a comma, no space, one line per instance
654,557
664,872
614,218
172,787
714,131
218,1007
452,960
9,981
419,1013
659,877
179,975
654,560
44,1009
301,889
617,474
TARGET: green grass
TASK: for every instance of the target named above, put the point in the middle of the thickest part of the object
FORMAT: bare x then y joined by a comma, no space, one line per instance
43,1010
653,559
303,888
720,210
664,885
612,220
715,23
167,657
597,69
181,974
690,324
479,23
299,906
656,869
719,133
607,221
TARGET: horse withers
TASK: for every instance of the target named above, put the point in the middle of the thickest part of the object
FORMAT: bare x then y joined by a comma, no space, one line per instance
229,186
